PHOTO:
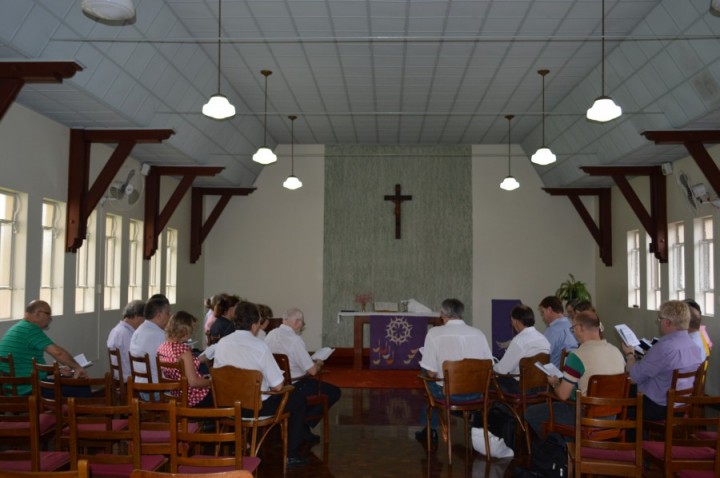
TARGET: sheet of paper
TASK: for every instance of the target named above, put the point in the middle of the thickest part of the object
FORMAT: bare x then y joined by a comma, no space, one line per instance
322,354
549,369
82,360
627,335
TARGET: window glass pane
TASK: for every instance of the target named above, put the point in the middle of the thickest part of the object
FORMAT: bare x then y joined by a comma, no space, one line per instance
113,235
633,260
135,260
85,269
171,265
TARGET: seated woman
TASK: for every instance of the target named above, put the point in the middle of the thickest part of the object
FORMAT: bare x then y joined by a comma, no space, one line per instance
178,330
224,308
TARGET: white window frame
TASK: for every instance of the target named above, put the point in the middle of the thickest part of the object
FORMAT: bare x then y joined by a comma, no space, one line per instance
85,264
676,261
155,276
13,238
654,278
113,259
633,269
135,260
705,265
171,261
53,260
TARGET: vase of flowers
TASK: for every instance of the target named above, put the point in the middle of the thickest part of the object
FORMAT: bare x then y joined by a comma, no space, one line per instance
363,299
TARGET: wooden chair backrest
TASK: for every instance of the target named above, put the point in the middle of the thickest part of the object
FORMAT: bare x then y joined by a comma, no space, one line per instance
8,363
9,382
615,426
170,371
20,427
81,472
466,376
608,386
700,376
222,474
231,384
532,377
140,368
117,375
284,364
159,392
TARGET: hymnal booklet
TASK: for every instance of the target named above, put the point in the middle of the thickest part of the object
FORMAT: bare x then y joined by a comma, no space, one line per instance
627,335
549,369
322,354
82,360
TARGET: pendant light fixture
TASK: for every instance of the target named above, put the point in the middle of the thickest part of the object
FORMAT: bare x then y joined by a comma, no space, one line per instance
264,155
604,108
509,183
292,182
543,156
109,10
218,107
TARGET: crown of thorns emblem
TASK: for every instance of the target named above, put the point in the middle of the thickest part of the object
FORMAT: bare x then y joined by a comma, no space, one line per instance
398,330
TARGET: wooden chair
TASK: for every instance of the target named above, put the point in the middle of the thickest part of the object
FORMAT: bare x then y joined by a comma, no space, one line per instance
312,400
231,384
186,440
590,455
119,386
93,424
140,368
170,371
682,449
467,376
20,427
604,386
7,363
222,474
532,384
80,472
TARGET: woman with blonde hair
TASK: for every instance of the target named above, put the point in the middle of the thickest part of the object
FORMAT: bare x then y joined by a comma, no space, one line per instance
178,331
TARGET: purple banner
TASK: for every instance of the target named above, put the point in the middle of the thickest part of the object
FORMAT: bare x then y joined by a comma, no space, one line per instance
502,332
395,341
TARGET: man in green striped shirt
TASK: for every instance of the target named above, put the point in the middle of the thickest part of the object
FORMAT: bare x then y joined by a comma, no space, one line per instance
27,340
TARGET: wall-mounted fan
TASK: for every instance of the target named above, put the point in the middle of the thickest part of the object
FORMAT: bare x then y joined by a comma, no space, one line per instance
696,194
683,181
124,194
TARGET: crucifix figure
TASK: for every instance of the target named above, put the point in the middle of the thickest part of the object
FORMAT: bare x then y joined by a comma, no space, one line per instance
398,200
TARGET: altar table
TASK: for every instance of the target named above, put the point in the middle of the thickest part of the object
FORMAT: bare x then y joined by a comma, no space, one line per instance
360,319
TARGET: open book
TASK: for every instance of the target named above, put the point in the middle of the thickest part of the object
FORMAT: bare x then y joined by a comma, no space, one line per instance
82,360
322,354
627,335
549,369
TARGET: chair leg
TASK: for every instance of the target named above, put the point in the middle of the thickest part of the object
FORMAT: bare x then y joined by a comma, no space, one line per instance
449,435
284,432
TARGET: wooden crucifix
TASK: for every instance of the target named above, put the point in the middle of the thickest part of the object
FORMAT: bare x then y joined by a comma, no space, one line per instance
398,200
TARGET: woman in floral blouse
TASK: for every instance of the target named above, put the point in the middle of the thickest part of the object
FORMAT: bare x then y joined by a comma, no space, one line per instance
178,330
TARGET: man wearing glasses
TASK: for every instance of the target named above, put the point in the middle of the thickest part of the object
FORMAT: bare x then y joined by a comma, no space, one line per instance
675,350
27,340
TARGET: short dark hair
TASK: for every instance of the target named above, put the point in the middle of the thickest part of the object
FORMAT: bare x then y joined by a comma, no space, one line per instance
453,309
246,314
524,314
695,314
553,302
133,309
584,305
155,305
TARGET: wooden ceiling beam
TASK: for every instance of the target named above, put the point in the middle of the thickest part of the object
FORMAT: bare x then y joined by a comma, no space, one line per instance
602,232
655,221
155,219
200,231
14,75
694,142
82,197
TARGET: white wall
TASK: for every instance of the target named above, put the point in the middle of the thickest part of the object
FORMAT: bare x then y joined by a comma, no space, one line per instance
526,242
268,246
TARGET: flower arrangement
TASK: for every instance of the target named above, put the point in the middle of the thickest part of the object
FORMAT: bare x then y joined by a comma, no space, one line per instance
363,299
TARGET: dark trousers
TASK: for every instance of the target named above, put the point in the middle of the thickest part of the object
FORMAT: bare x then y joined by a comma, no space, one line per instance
309,386
296,423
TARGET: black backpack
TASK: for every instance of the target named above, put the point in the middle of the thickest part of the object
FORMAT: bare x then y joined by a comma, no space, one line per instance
550,457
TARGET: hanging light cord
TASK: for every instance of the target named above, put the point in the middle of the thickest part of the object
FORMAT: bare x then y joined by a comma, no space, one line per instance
509,118
602,43
265,121
292,145
219,35
543,106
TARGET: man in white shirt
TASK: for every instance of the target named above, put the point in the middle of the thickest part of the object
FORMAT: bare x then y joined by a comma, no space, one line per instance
242,349
286,340
120,336
454,340
526,343
151,334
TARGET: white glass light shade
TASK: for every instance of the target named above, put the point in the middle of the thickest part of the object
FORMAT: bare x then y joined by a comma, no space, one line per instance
218,107
715,7
292,182
114,10
509,184
603,110
264,155
543,156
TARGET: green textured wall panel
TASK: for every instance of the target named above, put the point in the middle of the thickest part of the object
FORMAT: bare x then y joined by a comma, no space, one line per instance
433,259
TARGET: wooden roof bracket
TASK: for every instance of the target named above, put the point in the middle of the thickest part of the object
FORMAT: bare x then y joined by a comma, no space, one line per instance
81,200
14,75
602,232
156,220
200,231
654,222
693,142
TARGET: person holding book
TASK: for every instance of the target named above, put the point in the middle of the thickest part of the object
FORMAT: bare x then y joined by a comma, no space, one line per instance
595,356
558,328
526,343
675,350
287,340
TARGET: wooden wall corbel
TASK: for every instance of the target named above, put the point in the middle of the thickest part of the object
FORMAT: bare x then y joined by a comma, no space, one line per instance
694,143
601,232
200,231
81,200
156,220
654,222
14,75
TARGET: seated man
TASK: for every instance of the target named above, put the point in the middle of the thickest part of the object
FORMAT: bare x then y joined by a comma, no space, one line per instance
694,330
26,340
120,336
147,337
526,343
674,351
558,328
594,357
286,340
242,349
